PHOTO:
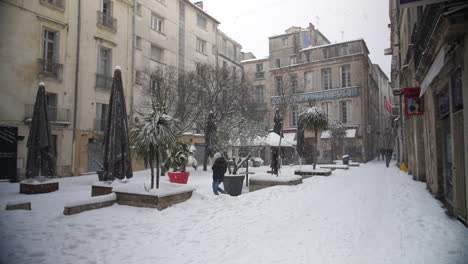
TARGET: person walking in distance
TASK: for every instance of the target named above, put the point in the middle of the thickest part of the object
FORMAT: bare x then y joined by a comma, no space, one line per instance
219,169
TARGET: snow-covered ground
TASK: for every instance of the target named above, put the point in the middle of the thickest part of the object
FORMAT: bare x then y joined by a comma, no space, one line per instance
367,214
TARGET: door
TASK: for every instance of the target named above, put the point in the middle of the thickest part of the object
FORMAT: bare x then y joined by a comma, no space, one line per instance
459,165
447,160
8,152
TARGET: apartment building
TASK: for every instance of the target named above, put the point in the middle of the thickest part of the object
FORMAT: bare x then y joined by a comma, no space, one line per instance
41,47
74,46
429,61
303,67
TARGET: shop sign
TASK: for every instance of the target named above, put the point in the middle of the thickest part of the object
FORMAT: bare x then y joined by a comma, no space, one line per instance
414,104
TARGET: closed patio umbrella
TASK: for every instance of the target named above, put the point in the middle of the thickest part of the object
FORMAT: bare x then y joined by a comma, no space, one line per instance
41,153
117,159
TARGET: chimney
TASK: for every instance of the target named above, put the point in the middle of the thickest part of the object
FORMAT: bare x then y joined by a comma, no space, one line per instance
199,4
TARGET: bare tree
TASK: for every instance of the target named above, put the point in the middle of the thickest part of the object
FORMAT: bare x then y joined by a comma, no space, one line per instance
224,96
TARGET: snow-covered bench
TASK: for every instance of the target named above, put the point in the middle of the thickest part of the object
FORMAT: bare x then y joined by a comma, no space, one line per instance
334,167
89,204
263,181
309,173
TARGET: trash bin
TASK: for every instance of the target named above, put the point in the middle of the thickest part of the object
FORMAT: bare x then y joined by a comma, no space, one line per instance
345,159
233,184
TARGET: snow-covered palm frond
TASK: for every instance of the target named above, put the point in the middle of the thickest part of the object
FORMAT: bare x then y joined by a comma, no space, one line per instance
337,129
314,118
152,133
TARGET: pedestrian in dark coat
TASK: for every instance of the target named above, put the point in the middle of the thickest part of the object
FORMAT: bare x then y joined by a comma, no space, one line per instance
219,169
388,156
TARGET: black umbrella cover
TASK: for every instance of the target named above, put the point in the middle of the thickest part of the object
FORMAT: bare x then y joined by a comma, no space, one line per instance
117,160
41,154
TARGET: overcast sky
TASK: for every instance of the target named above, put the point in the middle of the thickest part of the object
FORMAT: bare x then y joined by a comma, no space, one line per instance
251,22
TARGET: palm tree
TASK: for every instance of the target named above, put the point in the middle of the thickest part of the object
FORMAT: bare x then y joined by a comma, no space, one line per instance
314,118
151,137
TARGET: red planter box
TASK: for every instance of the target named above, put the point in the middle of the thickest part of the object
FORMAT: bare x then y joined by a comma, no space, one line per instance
178,177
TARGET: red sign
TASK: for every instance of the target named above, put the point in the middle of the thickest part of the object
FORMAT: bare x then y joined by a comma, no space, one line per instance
413,103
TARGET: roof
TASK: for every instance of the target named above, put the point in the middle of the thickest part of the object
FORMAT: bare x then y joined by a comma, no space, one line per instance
254,60
201,11
335,44
226,36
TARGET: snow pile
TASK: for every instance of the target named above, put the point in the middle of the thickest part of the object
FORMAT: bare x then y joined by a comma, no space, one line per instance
319,170
273,178
93,200
39,180
165,189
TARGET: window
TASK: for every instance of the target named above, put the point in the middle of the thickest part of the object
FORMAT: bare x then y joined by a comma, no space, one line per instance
279,85
285,41
309,81
235,53
307,57
259,67
326,53
224,64
201,21
104,62
138,9
293,80
157,23
201,46
293,60
55,3
259,93
138,42
326,78
156,52
138,76
345,112
100,122
50,51
345,75
106,8
224,48
278,63
293,116
327,109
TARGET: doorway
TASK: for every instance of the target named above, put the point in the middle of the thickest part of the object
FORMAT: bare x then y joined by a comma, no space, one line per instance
8,153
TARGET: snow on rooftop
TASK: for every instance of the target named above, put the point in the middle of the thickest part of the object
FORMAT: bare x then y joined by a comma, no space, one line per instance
256,59
328,45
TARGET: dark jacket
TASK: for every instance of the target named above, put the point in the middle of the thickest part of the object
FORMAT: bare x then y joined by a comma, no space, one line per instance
219,169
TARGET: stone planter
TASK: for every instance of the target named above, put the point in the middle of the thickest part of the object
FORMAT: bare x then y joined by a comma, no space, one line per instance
233,184
98,190
259,183
34,186
178,177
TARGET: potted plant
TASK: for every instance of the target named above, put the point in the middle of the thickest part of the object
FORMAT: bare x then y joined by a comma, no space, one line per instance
233,183
177,160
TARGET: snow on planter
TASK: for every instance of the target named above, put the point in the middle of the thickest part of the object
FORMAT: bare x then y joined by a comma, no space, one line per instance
140,196
263,181
97,202
38,185
334,166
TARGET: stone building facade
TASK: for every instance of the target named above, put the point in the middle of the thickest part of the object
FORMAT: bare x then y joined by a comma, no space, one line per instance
74,46
302,67
429,52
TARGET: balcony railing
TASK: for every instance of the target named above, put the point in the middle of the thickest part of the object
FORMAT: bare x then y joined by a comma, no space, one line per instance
423,29
106,20
103,81
50,68
55,114
259,75
54,3
100,125
336,93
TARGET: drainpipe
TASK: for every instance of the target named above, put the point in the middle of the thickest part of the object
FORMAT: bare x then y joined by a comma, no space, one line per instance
75,103
133,62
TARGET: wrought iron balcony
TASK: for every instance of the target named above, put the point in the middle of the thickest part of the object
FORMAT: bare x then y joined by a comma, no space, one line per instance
103,81
50,68
56,115
60,4
423,30
259,75
336,93
100,125
106,21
